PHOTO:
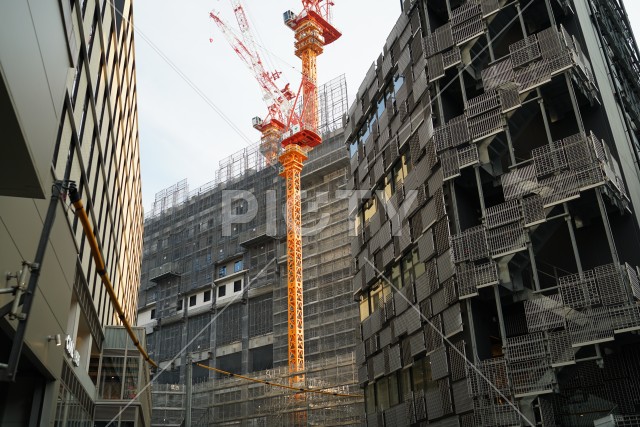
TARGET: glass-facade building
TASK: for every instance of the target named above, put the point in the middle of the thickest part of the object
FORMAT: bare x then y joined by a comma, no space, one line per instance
68,94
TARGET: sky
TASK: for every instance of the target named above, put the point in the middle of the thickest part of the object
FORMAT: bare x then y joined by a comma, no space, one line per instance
196,98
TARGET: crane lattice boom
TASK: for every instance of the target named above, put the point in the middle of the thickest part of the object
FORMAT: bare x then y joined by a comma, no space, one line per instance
279,101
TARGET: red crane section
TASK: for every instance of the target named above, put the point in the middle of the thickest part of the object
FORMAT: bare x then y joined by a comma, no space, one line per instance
279,101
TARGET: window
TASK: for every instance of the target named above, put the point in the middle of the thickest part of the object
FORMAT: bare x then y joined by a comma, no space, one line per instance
153,313
222,271
370,208
179,305
222,290
207,296
192,300
353,148
237,266
237,286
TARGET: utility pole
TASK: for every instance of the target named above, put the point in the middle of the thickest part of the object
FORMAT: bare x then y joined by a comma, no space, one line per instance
187,419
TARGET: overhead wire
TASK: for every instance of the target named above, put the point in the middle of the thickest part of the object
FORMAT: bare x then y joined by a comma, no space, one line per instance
184,77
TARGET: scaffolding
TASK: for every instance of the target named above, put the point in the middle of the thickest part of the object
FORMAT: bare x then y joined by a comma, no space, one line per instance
186,247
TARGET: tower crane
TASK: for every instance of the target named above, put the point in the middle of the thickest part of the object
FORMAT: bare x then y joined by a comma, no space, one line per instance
299,134
279,101
313,30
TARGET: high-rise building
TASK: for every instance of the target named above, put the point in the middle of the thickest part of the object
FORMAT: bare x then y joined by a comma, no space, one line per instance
69,116
497,241
214,289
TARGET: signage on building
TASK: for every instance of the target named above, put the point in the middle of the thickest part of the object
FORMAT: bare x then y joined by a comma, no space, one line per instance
70,349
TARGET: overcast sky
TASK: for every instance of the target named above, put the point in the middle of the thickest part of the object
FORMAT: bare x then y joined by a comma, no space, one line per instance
196,98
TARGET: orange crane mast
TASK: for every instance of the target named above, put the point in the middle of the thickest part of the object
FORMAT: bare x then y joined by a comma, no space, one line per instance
312,32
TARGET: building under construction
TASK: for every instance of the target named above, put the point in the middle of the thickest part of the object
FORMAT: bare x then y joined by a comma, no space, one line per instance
497,251
214,289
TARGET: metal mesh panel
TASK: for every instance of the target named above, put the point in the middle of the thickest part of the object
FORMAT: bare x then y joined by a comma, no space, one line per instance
509,97
498,74
531,377
505,415
610,285
506,239
634,283
524,51
625,318
444,37
579,292
405,59
578,151
449,287
470,245
560,350
467,420
486,274
439,363
363,375
533,211
425,132
450,164
495,371
434,403
519,182
550,43
464,12
457,362
468,156
489,7
442,138
442,235
589,176
560,63
420,85
395,415
417,343
433,334
461,397
594,326
445,266
378,365
414,322
544,313
486,124
503,213
452,57
452,320
394,358
483,103
468,29
434,184
526,347
466,279
426,246
533,75
439,301
435,65
549,158
558,188
430,45
459,130
445,396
